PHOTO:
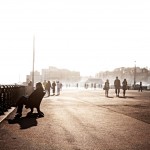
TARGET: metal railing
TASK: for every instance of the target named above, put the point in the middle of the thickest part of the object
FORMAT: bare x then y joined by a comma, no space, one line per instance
9,94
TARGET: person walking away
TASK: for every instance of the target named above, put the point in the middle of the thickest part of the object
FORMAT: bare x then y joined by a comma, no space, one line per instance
124,87
58,88
106,87
140,88
53,87
48,87
117,86
94,86
61,86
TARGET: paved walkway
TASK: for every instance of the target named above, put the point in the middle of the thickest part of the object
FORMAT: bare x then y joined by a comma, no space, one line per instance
82,120
6,114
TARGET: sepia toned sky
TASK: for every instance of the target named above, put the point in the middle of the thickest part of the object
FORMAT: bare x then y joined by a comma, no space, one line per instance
83,35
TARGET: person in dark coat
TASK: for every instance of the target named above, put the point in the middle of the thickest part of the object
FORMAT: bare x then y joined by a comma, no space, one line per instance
58,87
30,101
117,86
106,87
124,87
53,87
140,88
48,87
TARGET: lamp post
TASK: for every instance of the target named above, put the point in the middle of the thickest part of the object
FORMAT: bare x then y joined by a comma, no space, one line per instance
33,60
134,74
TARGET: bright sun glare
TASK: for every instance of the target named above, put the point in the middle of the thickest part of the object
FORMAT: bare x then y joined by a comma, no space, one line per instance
82,35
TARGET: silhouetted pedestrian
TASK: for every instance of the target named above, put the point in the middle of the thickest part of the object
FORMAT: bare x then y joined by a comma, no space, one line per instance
48,87
77,85
94,86
58,88
124,87
106,87
53,87
117,86
140,88
91,85
61,86
85,86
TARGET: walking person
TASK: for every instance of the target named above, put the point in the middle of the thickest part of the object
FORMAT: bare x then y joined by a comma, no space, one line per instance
58,88
117,86
48,87
106,87
140,88
53,87
61,86
94,86
124,87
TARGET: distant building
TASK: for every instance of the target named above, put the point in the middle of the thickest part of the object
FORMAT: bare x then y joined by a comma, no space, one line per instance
53,73
37,77
142,74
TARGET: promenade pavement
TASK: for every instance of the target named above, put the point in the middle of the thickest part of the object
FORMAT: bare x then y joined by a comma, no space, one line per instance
82,119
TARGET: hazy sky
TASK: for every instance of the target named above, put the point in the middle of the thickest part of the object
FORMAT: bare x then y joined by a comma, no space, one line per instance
81,35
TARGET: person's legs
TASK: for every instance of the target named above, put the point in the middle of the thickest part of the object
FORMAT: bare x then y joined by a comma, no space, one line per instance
40,114
38,110
58,91
54,91
123,93
22,101
116,91
107,93
48,92
30,113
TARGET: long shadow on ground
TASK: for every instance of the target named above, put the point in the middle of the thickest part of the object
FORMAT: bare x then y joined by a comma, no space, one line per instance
25,122
126,97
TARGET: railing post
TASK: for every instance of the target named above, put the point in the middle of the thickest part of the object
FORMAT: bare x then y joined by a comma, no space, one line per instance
1,101
9,94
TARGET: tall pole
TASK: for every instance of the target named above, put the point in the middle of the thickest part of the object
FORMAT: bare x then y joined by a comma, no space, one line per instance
134,74
33,60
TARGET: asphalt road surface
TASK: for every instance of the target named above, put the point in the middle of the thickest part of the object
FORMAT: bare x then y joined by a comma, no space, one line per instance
82,119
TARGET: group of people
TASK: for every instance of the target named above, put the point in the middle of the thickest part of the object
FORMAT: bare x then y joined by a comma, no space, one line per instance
33,99
117,86
48,86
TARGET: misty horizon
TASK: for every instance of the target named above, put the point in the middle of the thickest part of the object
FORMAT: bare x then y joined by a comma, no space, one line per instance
85,36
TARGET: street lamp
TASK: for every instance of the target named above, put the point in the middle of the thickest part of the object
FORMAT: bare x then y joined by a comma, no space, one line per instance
134,74
33,60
